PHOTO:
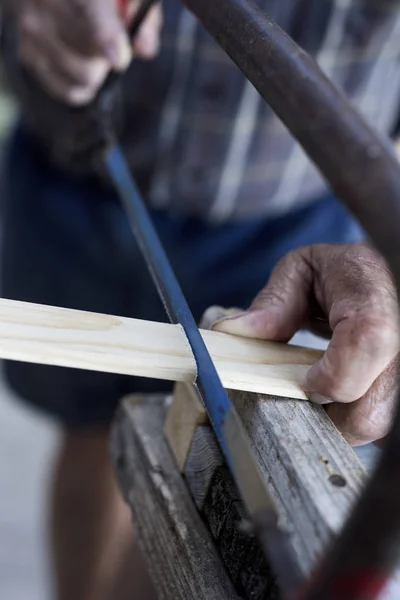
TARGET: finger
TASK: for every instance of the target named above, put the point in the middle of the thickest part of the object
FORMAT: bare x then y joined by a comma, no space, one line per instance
362,346
51,80
214,314
369,418
60,69
281,307
75,86
147,41
93,28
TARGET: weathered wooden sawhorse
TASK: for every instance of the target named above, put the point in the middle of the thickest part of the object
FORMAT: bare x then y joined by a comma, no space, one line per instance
186,511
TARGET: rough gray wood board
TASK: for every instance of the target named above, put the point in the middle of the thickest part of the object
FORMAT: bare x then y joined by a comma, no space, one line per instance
215,494
203,459
313,474
178,548
241,553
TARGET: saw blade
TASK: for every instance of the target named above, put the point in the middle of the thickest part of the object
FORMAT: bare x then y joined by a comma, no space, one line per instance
223,416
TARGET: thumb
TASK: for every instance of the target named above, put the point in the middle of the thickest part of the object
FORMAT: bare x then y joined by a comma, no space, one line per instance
279,309
362,346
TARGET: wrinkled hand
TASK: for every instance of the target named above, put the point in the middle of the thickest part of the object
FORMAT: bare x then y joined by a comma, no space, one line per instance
71,45
345,291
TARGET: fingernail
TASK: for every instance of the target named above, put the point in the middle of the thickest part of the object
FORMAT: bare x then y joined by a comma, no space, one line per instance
228,316
238,323
317,398
214,314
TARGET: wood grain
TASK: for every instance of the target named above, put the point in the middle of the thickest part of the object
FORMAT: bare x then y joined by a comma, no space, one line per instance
183,416
202,461
176,544
70,338
312,473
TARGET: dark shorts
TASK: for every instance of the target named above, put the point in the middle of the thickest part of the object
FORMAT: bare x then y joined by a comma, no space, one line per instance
66,242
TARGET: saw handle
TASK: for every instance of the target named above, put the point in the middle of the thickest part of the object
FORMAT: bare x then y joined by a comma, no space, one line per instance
132,30
75,135
105,96
141,14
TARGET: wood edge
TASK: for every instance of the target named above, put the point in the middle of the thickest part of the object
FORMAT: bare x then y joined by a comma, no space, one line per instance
92,341
184,414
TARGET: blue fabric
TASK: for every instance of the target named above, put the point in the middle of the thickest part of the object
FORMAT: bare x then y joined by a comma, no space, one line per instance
66,242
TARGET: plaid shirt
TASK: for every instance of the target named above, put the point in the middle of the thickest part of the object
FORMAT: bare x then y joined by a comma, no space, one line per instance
200,139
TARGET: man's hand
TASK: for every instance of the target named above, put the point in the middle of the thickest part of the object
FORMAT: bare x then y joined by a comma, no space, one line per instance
71,45
345,291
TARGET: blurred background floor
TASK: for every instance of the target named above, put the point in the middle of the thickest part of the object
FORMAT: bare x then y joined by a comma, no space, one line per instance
27,445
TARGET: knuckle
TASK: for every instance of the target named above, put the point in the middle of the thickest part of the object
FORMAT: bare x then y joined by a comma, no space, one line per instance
374,334
101,38
333,379
78,95
291,259
371,417
358,424
296,266
365,430
93,73
291,274
371,426
270,296
28,25
104,35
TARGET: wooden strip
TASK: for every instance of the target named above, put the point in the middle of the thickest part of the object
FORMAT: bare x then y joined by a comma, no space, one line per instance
70,338
183,416
177,546
203,459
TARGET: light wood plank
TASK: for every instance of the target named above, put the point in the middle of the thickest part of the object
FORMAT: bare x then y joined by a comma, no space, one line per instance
70,338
